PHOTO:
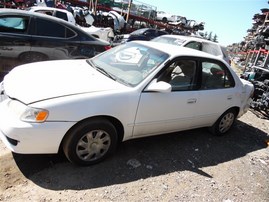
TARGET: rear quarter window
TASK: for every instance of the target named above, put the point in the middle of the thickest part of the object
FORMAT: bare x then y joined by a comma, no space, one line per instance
211,49
61,15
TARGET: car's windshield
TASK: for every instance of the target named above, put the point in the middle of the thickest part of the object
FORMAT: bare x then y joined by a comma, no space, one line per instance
169,40
129,63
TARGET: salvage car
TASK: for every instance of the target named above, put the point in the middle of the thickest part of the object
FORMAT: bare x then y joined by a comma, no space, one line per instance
196,43
144,34
104,33
28,37
85,108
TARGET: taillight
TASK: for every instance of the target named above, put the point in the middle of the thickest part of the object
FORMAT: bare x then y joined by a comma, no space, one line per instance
107,47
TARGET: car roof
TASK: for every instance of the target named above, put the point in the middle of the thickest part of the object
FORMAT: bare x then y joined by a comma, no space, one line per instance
188,38
177,50
36,8
10,11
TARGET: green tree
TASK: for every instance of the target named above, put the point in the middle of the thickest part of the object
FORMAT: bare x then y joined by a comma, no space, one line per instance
209,37
205,36
215,38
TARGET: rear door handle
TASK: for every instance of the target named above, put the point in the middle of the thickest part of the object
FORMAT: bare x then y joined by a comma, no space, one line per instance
6,48
192,101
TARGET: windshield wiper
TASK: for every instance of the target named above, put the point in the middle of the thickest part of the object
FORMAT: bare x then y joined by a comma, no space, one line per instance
102,70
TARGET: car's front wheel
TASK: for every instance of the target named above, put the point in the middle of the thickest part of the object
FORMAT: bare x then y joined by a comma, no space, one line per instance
90,142
224,123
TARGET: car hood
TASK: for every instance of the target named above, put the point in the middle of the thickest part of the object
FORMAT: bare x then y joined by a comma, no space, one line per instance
44,80
108,31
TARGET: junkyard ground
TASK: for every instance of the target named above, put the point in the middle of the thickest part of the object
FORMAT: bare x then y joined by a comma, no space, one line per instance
186,166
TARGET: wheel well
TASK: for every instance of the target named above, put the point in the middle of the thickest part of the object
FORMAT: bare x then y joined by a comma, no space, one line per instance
33,52
233,108
236,110
118,125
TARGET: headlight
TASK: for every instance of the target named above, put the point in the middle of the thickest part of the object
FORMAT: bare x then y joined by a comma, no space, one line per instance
1,88
28,114
34,115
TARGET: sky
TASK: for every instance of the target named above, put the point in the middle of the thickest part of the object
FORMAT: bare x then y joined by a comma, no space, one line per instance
228,19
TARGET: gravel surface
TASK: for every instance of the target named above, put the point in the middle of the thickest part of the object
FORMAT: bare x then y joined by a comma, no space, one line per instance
186,166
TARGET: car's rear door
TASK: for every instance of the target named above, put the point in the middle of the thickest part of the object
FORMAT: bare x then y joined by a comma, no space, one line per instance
50,39
216,93
60,40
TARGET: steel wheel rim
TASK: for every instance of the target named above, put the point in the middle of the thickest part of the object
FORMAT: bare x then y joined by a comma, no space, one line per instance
226,122
93,145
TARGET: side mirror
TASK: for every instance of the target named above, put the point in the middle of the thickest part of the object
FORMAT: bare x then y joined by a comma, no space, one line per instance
160,86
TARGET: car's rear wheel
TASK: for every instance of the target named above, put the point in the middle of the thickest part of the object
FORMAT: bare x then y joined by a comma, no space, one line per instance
33,57
224,123
164,20
90,142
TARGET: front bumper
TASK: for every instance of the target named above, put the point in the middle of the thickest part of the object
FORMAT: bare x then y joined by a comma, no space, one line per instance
30,138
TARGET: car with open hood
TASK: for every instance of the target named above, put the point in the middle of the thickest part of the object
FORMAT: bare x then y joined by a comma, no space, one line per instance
86,107
143,34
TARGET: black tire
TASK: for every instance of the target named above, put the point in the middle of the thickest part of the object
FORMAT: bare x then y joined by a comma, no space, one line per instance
32,57
164,20
224,123
90,142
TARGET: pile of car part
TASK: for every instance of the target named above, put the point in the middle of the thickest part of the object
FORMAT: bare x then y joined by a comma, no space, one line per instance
261,97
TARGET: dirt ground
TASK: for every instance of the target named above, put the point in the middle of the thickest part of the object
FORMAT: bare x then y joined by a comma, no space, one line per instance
185,166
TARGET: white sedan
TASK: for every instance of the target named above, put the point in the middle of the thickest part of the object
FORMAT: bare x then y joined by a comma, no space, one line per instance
87,107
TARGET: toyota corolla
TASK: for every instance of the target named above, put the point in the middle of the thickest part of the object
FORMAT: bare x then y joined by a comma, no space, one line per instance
87,107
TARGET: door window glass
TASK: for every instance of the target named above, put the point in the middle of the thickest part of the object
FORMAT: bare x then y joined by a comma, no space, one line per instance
194,45
13,24
51,29
61,15
181,74
215,76
211,49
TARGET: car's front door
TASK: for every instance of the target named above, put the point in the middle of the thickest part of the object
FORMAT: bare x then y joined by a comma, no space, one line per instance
162,112
14,35
14,40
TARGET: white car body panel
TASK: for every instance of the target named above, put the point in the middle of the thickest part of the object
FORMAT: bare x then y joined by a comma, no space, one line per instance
72,91
153,116
67,78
